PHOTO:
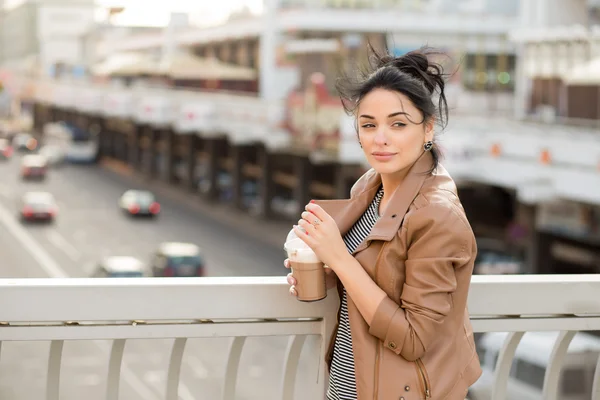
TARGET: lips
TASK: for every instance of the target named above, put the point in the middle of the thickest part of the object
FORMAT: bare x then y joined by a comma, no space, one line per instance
383,156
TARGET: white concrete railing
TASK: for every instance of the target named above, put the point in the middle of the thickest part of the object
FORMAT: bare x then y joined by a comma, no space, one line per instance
122,309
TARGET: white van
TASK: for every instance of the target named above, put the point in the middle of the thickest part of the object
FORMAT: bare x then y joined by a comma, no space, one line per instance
532,356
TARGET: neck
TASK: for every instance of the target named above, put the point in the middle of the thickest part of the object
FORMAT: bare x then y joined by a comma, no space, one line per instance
390,183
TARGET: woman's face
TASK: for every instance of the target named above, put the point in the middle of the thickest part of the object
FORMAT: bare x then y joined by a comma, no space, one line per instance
390,141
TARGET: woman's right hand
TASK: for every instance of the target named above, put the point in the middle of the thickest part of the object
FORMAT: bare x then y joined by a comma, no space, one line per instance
330,278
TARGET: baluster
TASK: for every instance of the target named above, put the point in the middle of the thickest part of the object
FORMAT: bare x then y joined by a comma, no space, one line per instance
505,358
54,363
233,363
596,384
555,363
175,368
114,369
290,366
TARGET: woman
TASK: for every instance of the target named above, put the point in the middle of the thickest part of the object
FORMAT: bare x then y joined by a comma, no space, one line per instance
400,249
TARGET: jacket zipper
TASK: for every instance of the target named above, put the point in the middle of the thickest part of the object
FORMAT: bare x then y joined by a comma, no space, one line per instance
379,342
423,377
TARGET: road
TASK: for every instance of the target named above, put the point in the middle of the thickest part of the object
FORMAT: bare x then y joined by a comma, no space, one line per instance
90,226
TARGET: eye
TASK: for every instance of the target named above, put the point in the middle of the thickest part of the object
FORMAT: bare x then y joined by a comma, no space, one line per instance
399,124
367,126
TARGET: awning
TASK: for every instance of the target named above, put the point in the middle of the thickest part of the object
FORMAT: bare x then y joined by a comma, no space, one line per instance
584,74
126,64
189,66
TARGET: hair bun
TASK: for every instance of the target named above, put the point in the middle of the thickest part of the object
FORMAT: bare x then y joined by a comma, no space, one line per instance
417,64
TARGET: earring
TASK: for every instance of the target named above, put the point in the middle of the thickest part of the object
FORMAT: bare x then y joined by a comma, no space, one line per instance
428,145
360,144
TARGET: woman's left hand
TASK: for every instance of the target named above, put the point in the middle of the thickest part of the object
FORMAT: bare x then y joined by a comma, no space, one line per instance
322,235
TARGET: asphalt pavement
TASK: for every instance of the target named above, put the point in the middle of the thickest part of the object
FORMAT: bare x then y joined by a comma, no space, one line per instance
90,226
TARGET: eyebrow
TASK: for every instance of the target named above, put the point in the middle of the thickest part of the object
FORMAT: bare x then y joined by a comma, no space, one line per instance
389,116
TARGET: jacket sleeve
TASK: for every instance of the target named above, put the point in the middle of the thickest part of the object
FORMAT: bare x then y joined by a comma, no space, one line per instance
439,240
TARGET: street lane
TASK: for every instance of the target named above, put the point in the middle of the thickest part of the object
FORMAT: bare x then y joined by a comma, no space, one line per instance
15,261
90,226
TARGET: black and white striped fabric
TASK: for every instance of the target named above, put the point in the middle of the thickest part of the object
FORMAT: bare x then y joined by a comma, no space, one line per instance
342,379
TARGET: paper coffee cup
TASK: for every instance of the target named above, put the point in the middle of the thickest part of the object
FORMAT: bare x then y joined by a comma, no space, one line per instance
307,269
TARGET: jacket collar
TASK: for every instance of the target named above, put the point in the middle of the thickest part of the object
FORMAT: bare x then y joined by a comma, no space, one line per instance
346,212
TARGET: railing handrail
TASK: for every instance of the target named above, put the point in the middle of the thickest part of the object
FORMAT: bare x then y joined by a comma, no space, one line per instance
238,298
59,310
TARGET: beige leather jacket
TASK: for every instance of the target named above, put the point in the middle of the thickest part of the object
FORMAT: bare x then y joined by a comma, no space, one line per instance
421,253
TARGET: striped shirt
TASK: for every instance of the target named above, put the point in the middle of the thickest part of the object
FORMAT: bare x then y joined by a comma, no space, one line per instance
342,379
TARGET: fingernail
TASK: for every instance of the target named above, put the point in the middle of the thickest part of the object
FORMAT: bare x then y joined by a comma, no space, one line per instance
312,201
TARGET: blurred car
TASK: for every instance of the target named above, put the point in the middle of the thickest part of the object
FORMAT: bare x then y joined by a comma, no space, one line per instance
494,258
34,166
38,206
6,150
25,142
119,267
531,360
175,259
54,155
139,202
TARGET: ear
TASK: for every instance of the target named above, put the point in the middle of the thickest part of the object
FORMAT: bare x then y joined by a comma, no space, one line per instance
429,129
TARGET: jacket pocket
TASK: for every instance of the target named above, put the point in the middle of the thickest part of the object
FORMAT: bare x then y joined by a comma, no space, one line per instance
423,378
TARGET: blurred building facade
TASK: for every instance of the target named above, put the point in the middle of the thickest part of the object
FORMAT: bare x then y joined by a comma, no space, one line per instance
522,144
43,35
559,47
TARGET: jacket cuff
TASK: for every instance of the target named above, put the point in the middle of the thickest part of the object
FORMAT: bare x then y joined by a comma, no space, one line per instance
389,325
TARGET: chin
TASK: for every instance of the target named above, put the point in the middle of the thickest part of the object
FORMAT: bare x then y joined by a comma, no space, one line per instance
386,168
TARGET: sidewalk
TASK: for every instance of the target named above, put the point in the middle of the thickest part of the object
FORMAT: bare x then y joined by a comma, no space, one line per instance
270,232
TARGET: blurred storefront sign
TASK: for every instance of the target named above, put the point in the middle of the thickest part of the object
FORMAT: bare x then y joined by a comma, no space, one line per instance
313,117
576,255
568,237
569,219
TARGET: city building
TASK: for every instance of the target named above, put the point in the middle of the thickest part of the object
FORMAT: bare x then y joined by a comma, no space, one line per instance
520,145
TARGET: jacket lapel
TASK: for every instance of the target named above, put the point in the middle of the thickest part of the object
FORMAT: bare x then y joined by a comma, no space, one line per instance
346,212
389,223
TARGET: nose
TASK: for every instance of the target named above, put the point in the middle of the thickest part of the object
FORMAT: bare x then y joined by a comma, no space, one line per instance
380,136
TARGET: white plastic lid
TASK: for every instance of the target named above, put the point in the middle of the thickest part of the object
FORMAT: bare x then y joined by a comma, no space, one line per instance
299,251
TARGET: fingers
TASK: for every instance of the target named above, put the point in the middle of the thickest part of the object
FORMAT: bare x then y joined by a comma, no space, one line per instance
286,263
309,230
310,218
291,280
317,211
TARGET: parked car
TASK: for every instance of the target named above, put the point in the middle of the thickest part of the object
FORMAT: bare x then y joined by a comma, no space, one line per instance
34,166
38,206
175,259
119,267
54,154
25,143
6,149
495,258
531,359
139,202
